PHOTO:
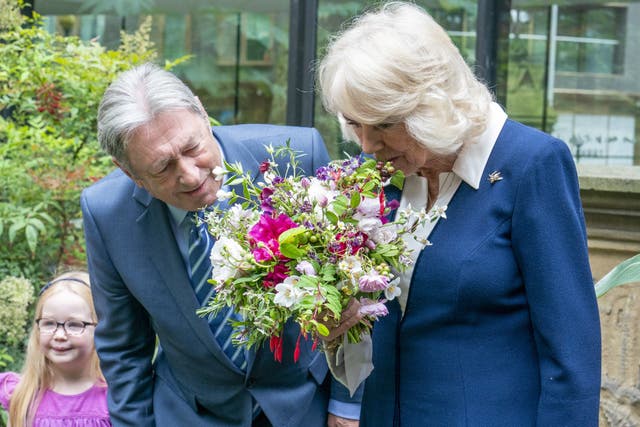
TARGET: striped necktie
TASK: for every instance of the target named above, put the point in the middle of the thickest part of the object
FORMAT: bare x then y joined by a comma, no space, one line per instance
200,244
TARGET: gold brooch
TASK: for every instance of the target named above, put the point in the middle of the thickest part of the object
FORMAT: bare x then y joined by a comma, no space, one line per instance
495,177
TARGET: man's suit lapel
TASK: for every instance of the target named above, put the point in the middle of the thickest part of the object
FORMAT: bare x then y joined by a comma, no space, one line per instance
236,151
163,251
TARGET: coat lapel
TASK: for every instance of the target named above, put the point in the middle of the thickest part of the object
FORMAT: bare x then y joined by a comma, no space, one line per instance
163,251
236,151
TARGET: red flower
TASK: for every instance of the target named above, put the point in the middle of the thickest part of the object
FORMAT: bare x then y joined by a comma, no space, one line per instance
279,273
296,351
264,166
275,345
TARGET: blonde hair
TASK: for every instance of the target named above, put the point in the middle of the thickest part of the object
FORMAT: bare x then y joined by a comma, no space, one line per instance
396,64
37,374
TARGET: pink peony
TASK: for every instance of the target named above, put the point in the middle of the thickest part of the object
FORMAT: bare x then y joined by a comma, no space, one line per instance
266,231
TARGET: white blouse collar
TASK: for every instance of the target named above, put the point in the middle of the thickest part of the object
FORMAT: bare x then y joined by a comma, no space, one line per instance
474,156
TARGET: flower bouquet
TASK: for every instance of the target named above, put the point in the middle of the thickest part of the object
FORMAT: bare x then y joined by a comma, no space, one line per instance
297,247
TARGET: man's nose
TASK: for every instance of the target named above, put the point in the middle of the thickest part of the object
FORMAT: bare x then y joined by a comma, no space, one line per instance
370,139
189,172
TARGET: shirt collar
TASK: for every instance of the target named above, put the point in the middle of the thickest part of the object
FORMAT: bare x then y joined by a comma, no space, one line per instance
474,156
178,215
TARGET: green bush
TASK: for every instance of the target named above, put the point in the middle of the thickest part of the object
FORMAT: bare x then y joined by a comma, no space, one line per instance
16,294
50,88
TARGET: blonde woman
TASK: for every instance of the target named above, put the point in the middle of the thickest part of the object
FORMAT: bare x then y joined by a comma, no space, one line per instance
497,323
61,383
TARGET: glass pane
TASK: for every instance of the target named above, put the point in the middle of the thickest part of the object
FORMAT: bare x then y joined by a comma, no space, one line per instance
457,17
573,73
239,58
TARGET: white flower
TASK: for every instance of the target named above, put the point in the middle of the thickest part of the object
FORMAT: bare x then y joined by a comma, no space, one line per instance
269,176
223,273
384,234
218,173
369,225
223,195
393,290
438,212
287,293
351,265
227,252
369,207
319,192
239,217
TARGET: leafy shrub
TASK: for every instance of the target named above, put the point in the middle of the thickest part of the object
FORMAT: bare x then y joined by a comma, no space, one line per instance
50,88
16,294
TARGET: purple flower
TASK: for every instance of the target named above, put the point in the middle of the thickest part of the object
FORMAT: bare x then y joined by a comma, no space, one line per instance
369,307
323,173
373,281
305,267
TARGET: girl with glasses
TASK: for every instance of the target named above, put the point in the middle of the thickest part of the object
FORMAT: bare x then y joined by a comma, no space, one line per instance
61,383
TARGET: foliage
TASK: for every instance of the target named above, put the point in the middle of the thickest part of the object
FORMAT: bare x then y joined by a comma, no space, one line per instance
50,87
624,273
16,294
10,16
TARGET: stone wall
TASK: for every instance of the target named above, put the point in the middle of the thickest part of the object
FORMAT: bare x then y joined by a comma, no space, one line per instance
611,200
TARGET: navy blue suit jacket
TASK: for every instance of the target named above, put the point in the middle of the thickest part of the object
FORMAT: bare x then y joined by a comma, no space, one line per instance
141,289
501,326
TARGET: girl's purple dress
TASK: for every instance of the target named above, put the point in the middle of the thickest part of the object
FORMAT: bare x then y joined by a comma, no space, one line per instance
87,409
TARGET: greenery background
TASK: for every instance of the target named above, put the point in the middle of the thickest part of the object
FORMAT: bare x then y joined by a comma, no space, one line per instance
50,87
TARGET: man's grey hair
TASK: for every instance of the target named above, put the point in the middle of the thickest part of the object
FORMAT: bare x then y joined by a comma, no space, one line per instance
134,99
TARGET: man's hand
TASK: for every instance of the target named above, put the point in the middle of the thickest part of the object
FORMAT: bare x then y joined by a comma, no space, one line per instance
349,317
335,421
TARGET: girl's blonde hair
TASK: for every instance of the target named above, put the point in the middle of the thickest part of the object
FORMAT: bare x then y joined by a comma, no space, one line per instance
37,374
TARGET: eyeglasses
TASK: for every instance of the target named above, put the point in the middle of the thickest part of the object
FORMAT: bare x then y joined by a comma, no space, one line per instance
71,327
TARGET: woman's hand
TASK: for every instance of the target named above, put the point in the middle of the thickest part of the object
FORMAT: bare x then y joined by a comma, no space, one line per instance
335,421
350,317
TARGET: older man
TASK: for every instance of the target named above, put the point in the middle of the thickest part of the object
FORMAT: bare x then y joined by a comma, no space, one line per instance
137,227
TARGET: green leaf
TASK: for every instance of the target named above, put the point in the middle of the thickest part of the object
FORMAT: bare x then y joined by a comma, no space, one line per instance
322,329
333,218
13,230
333,304
308,282
291,250
368,186
626,272
355,200
397,179
32,237
289,236
35,222
387,250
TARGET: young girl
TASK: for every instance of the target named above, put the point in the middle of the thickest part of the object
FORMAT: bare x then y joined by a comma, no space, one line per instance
61,383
